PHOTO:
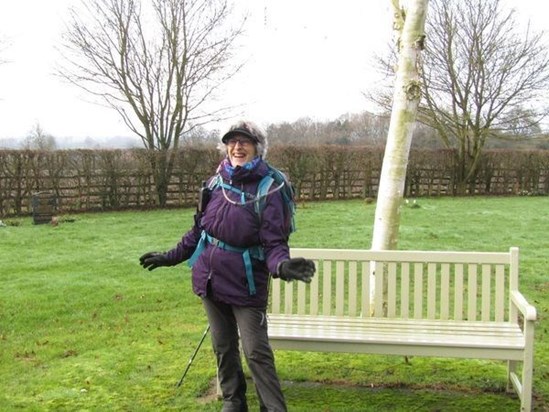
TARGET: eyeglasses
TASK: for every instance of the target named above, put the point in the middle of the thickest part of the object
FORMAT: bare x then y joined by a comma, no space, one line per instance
243,142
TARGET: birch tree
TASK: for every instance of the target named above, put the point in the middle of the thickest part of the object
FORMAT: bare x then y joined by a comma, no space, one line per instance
409,25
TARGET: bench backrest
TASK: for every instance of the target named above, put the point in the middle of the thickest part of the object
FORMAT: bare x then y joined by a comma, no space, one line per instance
471,286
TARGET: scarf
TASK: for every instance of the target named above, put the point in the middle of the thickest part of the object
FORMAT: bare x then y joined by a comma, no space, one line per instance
247,166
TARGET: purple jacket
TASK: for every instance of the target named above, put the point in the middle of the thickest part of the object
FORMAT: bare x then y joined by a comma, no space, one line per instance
237,225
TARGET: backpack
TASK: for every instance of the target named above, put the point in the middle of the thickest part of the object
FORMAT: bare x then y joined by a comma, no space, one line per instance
273,181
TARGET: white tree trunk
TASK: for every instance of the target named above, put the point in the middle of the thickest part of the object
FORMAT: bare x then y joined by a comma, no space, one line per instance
409,23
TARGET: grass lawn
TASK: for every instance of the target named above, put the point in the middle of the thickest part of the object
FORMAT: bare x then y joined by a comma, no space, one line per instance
83,327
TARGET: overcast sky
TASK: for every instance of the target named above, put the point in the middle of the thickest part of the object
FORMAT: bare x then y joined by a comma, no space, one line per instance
306,58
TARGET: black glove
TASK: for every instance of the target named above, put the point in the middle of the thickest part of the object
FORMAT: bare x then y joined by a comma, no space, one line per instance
296,268
153,260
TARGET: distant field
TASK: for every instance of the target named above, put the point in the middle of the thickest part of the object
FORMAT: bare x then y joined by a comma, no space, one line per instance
83,327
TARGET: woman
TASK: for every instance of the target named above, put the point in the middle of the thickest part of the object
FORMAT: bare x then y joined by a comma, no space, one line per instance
233,251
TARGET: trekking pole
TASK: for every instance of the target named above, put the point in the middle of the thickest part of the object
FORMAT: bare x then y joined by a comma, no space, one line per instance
193,356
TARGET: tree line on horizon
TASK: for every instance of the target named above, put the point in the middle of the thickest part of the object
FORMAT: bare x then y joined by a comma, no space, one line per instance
351,129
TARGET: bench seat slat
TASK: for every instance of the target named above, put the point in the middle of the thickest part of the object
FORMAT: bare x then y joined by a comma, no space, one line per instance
396,348
339,321
456,334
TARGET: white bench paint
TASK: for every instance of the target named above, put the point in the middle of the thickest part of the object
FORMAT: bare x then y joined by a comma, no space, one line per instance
468,306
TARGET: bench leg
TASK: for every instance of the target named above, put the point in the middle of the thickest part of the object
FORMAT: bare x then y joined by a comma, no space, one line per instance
511,370
523,386
527,368
526,398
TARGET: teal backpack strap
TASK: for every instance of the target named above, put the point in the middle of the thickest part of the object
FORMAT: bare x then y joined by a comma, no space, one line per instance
255,252
249,271
199,249
288,195
262,190
277,178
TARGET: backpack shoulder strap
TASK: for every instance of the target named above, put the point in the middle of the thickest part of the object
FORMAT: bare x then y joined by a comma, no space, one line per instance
262,190
264,185
280,181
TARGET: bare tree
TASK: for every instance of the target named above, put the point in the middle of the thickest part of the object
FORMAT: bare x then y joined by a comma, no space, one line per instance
371,128
480,70
520,121
158,63
38,139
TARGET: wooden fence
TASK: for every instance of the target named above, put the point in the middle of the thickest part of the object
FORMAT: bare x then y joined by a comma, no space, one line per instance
86,180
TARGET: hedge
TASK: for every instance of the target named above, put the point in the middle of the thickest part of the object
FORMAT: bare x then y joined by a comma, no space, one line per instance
92,180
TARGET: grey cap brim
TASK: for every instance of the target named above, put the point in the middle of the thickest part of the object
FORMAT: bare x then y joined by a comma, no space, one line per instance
238,131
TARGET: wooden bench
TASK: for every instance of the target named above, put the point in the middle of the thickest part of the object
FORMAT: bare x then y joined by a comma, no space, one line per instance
425,303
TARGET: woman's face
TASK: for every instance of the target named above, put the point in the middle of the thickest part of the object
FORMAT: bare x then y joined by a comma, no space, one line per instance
241,150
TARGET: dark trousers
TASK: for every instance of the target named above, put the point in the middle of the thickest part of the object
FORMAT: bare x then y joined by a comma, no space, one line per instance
225,322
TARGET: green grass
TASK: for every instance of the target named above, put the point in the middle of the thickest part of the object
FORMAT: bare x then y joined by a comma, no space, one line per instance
83,327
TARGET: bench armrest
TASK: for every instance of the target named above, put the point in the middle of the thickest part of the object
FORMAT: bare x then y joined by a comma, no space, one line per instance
527,310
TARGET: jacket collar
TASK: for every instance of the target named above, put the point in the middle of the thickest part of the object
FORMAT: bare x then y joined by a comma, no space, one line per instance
251,171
